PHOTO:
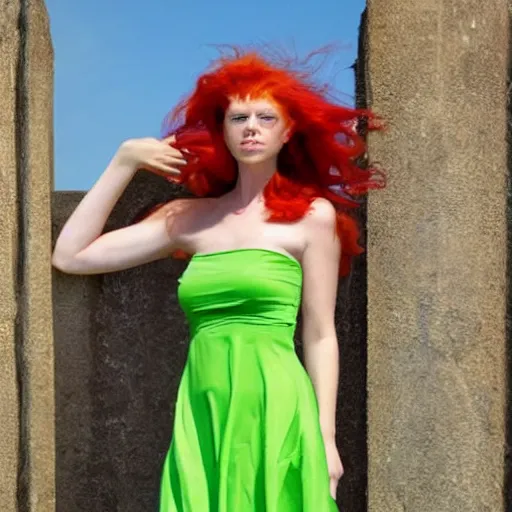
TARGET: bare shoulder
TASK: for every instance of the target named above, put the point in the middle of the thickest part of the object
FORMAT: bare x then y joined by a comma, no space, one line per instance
186,217
181,206
175,209
320,218
178,218
322,208
322,244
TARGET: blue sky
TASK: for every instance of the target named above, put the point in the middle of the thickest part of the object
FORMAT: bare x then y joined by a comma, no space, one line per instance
120,66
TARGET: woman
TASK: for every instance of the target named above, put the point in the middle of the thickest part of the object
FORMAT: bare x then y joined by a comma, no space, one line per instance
272,162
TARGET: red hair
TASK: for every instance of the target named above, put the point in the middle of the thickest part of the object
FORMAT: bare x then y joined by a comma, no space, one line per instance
319,160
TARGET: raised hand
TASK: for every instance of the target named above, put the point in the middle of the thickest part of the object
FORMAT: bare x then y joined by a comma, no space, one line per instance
154,155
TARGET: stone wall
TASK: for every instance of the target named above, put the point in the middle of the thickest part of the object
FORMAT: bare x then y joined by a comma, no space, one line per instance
436,70
26,341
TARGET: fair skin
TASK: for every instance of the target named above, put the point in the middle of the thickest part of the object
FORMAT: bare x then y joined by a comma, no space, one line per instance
254,131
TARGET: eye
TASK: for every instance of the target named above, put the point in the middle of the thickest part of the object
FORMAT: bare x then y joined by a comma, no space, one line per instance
238,118
268,119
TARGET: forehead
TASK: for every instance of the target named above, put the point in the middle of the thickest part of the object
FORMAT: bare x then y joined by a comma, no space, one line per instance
252,104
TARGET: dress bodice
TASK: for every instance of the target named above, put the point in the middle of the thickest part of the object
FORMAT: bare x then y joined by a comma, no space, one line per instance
241,286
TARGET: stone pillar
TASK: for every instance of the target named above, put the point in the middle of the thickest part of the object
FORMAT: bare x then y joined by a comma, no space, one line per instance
436,70
26,343
9,424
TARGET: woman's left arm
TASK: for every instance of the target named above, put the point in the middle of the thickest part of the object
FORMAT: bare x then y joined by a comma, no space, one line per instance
320,263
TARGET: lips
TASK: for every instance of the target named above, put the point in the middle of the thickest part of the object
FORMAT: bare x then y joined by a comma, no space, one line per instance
251,144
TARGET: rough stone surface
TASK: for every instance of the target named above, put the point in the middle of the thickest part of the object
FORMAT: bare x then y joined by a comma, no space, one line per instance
9,424
508,452
120,347
36,488
436,257
26,85
75,300
351,413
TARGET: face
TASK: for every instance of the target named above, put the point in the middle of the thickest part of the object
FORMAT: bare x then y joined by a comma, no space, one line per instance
255,130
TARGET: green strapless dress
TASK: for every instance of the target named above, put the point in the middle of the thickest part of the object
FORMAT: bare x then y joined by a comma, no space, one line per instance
246,434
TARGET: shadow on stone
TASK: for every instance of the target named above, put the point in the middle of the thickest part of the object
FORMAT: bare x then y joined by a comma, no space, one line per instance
120,346
508,469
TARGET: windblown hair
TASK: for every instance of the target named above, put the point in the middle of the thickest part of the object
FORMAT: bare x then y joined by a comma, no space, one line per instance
319,160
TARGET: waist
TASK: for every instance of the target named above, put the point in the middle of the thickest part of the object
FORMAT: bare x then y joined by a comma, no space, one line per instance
244,332
223,322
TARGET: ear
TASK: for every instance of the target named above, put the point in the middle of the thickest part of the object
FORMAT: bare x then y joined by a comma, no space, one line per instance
287,134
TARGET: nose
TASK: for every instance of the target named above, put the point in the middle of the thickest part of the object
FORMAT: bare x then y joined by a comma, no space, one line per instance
252,123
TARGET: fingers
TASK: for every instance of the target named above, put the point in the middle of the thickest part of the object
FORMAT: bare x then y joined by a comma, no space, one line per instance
165,170
160,157
333,486
164,167
169,167
171,159
170,139
175,154
176,161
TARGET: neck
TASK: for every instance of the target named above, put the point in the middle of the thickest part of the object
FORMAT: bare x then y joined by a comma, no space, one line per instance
250,183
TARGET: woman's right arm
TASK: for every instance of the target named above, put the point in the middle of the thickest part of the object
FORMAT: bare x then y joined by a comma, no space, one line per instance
81,248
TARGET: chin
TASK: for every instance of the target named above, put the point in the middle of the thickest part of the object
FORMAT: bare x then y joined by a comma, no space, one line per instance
257,158
252,159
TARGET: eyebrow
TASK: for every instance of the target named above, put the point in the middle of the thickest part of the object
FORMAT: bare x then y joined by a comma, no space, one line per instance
240,111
